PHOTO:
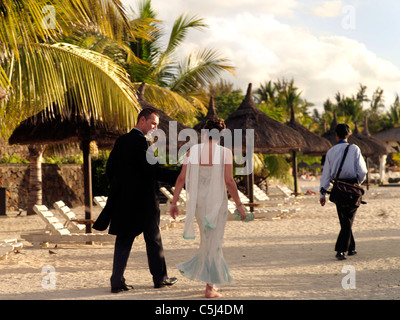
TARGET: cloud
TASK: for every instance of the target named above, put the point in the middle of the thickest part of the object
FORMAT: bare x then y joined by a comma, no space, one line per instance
266,40
326,9
224,8
263,49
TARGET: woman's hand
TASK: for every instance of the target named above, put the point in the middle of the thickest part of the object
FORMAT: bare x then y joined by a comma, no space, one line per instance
174,211
241,211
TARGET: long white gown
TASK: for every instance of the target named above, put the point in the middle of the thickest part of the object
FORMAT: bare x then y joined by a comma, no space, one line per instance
208,264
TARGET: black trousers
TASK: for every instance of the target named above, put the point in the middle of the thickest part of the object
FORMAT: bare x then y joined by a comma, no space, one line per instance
345,241
155,254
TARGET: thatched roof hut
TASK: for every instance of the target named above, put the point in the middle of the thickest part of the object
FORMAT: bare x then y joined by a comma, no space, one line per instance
315,145
211,114
391,138
55,126
270,136
389,135
378,146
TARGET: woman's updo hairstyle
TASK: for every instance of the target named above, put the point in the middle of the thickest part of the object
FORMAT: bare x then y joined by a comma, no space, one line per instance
214,127
215,123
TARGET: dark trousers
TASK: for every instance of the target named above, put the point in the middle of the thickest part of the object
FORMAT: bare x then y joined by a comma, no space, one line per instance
345,241
155,254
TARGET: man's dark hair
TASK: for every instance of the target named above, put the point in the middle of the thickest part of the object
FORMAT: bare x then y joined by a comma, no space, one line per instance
146,112
342,130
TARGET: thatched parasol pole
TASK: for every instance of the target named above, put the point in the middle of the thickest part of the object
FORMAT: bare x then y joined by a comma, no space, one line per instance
296,186
87,182
294,154
315,145
366,156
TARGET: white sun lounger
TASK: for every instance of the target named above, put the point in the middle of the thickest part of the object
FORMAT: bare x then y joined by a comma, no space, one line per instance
69,216
100,201
7,246
56,232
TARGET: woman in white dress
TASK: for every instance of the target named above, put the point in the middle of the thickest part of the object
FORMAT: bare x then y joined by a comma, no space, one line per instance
207,174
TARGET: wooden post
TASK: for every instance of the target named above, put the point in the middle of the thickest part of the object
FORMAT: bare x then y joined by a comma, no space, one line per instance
295,173
87,176
3,202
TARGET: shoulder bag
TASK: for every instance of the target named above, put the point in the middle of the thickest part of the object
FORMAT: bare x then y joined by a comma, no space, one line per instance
346,194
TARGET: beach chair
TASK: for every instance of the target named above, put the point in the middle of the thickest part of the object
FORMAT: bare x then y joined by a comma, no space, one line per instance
288,193
276,200
181,203
7,246
167,222
100,201
55,231
264,210
69,216
268,213
259,194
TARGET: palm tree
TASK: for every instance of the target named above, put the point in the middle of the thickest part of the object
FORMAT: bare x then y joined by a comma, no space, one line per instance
188,77
37,70
288,96
394,112
266,93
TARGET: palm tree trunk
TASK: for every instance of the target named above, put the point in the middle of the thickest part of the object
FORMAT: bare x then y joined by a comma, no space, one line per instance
35,177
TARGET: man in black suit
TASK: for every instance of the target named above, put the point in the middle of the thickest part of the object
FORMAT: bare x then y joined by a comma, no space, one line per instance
133,205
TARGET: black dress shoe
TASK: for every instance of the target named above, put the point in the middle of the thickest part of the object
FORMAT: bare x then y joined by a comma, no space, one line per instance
351,252
166,282
340,256
124,287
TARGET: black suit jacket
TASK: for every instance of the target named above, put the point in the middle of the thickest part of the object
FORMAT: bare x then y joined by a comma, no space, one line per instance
133,198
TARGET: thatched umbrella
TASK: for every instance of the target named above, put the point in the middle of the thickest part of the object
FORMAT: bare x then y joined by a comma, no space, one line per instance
380,148
315,145
52,126
211,114
270,136
391,137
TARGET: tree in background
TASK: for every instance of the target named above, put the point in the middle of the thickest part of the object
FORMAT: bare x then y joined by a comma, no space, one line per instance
190,76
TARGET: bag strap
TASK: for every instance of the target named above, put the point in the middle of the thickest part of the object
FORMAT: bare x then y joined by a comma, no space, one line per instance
341,164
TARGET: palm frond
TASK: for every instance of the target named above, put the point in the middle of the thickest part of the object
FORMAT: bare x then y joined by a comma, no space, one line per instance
99,87
27,22
176,106
200,69
182,25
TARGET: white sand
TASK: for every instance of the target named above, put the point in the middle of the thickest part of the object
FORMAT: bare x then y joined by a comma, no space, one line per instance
291,258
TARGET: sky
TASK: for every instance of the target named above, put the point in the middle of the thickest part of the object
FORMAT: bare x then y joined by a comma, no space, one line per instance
325,46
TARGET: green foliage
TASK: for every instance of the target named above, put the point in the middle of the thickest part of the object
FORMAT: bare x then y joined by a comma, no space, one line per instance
6,158
228,103
100,183
278,167
73,159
